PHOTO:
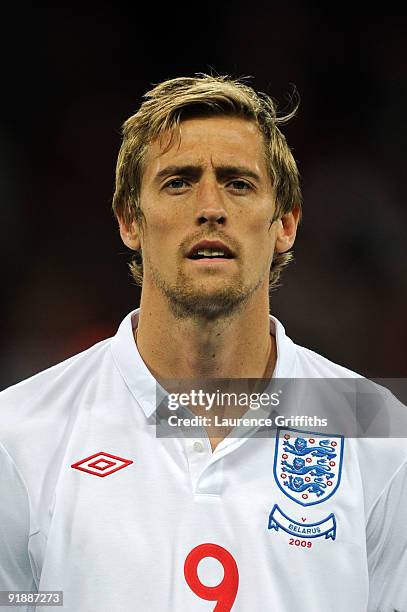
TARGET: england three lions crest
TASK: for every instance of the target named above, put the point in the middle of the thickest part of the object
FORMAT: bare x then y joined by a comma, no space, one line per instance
308,465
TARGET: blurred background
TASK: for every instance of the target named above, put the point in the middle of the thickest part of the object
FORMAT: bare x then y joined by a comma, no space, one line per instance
70,77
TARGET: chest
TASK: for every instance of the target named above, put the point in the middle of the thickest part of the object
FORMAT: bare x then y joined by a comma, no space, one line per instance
148,517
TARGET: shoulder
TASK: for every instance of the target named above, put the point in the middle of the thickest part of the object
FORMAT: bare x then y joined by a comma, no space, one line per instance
41,415
368,395
47,397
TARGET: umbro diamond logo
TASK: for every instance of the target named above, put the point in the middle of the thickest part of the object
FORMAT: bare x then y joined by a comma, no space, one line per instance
101,464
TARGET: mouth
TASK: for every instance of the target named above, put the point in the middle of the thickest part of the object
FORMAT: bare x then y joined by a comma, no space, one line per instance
210,251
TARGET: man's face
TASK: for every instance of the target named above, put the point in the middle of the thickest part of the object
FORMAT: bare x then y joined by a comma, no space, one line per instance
210,185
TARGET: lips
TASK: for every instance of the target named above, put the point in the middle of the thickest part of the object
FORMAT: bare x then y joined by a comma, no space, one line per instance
214,245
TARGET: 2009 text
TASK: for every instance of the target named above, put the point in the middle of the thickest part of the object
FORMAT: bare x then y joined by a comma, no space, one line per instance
302,543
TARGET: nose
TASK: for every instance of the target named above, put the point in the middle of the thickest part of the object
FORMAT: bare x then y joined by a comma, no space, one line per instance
211,217
210,208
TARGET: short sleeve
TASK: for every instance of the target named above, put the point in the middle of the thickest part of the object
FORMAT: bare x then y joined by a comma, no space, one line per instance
386,542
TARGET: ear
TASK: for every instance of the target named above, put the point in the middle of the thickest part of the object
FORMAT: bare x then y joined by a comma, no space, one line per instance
130,234
287,230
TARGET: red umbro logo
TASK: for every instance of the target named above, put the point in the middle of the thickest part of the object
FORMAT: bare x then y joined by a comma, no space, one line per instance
101,464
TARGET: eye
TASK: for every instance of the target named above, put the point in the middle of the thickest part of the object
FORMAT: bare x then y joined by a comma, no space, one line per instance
176,183
239,185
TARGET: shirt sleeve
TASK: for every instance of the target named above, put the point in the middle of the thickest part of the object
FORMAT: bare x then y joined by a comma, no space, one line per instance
386,540
15,567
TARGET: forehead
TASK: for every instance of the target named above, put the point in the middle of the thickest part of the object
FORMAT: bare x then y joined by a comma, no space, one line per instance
204,140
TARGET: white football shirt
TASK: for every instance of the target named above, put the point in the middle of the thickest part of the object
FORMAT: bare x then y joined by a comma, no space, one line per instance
93,504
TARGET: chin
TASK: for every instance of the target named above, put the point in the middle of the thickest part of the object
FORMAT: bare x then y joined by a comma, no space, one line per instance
207,305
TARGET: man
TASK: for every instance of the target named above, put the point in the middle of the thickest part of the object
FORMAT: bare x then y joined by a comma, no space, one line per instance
95,504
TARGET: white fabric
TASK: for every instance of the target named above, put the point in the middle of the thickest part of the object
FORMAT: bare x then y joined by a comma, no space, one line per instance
119,543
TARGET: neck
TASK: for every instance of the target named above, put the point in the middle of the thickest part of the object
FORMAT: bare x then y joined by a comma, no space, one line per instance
236,346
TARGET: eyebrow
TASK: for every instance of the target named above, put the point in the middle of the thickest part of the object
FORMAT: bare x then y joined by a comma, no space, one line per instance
195,172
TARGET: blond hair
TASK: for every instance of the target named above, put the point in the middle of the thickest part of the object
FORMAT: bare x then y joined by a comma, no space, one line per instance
171,101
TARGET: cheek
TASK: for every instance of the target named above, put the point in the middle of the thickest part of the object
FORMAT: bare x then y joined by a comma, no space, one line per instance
161,246
157,221
260,237
258,248
158,231
258,221
165,220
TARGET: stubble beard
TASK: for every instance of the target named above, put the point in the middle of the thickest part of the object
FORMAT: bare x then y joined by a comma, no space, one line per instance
187,300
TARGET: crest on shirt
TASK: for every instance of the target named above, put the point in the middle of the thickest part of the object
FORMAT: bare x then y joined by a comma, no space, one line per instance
308,465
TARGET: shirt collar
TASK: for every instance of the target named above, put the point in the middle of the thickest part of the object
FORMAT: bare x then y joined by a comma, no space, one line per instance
141,382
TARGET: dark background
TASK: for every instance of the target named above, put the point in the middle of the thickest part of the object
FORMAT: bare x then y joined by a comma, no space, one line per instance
70,77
